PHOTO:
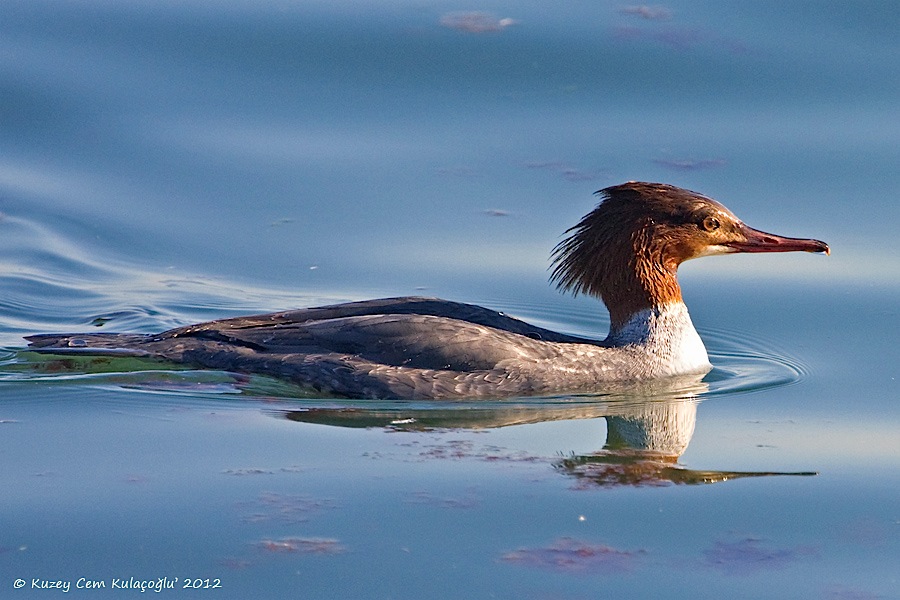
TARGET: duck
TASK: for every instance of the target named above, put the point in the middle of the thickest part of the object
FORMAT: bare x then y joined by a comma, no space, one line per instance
626,252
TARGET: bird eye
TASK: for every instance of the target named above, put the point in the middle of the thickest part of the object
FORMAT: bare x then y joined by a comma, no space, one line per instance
711,223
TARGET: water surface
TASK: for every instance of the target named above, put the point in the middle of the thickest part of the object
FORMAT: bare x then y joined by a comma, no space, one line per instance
171,162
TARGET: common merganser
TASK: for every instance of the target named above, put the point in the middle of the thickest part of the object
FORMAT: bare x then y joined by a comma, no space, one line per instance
626,252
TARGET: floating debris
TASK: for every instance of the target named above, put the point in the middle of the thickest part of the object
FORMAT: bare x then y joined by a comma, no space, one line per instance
423,497
284,508
250,471
475,22
840,592
235,563
651,13
690,165
568,172
573,556
673,37
751,555
466,449
301,545
457,171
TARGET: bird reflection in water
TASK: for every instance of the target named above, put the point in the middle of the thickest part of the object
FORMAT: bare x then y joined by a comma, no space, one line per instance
649,426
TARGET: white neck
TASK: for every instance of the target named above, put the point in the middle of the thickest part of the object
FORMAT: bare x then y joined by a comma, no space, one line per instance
668,336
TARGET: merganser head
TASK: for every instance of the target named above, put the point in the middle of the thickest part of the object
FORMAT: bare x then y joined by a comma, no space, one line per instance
627,250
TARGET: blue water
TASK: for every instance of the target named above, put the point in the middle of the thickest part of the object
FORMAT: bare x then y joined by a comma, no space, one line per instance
163,163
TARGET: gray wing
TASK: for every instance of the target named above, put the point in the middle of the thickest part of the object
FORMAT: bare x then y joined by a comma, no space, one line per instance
407,305
397,347
372,356
413,340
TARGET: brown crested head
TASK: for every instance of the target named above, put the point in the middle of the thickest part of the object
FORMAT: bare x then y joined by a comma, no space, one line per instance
627,250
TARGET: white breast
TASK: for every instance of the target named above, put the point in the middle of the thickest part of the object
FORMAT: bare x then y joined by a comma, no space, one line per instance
667,337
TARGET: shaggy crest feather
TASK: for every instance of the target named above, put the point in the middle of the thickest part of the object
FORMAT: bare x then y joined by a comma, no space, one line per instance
635,226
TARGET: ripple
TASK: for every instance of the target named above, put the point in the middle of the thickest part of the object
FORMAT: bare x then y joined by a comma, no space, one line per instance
744,362
49,284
